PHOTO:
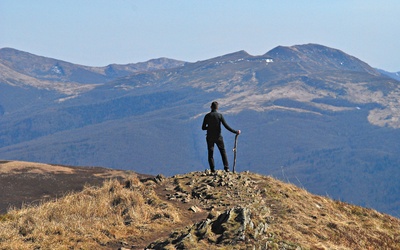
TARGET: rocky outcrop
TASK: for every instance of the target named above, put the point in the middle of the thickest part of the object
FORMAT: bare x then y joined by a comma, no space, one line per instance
239,212
213,190
231,228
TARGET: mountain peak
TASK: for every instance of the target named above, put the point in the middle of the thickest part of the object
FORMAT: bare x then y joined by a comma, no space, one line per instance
7,52
233,56
320,57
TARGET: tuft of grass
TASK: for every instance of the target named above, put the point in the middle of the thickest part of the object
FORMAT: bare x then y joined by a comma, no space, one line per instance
5,217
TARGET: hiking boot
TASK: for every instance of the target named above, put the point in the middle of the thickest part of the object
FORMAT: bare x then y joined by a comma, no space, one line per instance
226,169
212,170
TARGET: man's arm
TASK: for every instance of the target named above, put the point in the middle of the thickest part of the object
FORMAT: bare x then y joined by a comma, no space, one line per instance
227,126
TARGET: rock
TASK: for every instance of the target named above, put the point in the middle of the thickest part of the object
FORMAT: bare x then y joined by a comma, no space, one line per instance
195,209
212,214
230,229
159,178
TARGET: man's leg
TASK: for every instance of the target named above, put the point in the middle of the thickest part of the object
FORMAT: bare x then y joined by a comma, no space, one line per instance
210,147
221,147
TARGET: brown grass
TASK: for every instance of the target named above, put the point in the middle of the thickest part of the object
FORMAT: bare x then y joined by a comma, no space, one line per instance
31,167
91,219
317,222
133,214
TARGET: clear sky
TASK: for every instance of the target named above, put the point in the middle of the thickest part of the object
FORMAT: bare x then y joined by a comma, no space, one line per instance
101,32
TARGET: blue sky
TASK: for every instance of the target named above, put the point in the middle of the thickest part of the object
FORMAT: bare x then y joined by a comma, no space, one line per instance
101,32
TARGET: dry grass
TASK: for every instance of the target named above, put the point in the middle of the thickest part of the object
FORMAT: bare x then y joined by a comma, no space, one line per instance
91,219
317,222
133,214
31,167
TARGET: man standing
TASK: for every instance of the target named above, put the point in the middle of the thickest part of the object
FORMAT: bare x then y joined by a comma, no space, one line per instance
212,123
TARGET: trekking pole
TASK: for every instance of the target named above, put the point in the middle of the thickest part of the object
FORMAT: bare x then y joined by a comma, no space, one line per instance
234,152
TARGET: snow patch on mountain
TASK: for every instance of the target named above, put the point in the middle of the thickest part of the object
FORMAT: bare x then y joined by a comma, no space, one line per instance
56,69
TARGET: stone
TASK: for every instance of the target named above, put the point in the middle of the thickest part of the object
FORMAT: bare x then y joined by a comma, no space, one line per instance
159,178
195,209
230,228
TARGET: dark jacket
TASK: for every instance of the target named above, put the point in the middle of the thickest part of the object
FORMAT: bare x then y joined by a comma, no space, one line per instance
212,123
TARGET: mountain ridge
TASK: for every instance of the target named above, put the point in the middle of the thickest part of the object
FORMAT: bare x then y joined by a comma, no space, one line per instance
45,68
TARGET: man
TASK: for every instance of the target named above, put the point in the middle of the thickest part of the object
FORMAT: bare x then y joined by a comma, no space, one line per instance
212,123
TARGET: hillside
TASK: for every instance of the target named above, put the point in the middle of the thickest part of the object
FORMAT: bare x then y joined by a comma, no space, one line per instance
28,183
197,210
311,115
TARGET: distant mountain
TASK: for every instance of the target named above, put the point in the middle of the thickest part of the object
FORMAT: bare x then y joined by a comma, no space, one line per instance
316,58
309,114
51,79
395,75
50,69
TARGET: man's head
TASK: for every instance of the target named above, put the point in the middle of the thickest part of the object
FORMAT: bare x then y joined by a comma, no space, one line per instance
214,105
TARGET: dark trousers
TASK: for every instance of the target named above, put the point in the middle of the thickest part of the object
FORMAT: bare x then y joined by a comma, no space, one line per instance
220,144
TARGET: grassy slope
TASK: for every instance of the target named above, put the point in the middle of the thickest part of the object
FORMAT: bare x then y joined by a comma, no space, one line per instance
28,182
133,213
